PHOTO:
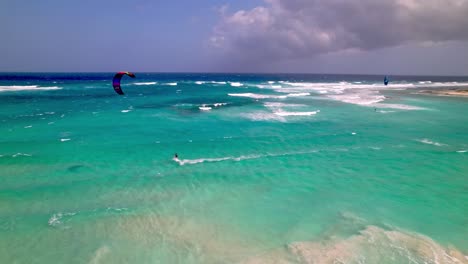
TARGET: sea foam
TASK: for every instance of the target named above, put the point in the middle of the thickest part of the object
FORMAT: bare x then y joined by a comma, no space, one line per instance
429,142
27,88
145,83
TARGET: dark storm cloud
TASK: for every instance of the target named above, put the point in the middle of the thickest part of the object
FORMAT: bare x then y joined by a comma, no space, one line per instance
289,29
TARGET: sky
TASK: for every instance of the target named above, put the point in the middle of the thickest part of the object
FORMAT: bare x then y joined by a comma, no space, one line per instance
407,37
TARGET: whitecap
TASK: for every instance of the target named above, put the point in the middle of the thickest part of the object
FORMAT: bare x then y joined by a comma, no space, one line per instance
145,83
204,108
199,82
263,116
236,84
19,154
285,113
397,106
385,111
279,104
116,209
257,96
462,151
27,88
427,141
171,84
126,111
357,92
65,139
57,218
298,94
27,126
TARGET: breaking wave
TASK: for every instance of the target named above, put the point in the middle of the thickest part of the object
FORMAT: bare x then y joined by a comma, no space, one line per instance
285,113
267,96
204,108
429,142
236,84
59,218
145,83
364,94
27,88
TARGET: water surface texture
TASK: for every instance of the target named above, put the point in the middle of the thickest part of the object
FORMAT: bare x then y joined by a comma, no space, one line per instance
271,169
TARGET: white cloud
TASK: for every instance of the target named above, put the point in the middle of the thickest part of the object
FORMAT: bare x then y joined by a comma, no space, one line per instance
290,29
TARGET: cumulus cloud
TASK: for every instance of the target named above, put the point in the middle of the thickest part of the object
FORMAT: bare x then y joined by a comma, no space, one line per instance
290,29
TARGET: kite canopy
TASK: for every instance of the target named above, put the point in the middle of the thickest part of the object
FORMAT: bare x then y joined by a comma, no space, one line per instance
385,81
116,81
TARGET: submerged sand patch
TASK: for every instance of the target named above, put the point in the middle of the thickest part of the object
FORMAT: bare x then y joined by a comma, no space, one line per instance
212,243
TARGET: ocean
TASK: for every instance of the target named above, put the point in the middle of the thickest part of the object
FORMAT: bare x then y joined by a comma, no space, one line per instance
271,168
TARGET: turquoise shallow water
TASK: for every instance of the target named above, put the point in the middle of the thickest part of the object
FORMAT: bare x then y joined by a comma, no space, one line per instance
272,169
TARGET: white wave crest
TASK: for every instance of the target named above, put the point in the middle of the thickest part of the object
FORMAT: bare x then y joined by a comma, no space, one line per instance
263,116
358,93
236,84
145,83
298,94
27,88
279,104
397,106
56,219
285,113
65,139
205,108
199,82
21,155
429,142
171,84
359,97
256,96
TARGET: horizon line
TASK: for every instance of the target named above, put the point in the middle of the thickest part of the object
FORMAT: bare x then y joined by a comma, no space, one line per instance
238,73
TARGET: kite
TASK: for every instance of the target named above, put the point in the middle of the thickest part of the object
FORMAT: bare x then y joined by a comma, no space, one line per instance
116,81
